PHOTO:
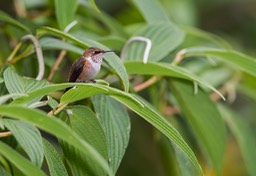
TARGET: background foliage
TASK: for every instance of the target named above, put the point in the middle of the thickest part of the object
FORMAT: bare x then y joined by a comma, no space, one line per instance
188,111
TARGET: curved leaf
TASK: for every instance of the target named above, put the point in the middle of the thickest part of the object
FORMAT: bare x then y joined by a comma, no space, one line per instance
239,60
165,37
19,161
140,107
165,69
137,105
55,127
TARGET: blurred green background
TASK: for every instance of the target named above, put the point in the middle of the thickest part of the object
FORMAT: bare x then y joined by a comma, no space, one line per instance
233,20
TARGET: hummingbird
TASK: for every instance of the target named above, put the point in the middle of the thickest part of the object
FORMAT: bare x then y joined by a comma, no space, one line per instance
87,66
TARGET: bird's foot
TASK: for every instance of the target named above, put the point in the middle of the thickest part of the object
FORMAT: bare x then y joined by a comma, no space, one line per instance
93,81
90,81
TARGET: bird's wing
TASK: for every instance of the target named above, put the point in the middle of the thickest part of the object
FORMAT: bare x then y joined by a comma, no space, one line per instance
76,70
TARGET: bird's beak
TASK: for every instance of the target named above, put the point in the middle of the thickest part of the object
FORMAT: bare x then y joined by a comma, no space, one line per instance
108,51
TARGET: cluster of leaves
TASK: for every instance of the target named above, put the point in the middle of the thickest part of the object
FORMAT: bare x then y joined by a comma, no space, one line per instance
94,137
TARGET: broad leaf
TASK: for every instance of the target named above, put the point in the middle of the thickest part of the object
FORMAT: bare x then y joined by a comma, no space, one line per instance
54,161
239,60
85,123
116,125
29,138
57,128
205,120
165,37
19,161
65,12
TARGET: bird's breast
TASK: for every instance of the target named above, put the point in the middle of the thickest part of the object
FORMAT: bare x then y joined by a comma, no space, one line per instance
90,70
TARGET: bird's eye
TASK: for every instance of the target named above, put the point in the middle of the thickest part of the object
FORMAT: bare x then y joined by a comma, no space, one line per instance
96,52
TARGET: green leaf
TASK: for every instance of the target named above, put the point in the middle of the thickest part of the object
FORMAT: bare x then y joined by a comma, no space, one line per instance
53,43
29,138
165,69
204,118
239,60
244,135
16,84
57,128
54,161
65,12
6,18
137,105
140,107
116,123
55,32
151,10
112,59
19,161
161,35
85,123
